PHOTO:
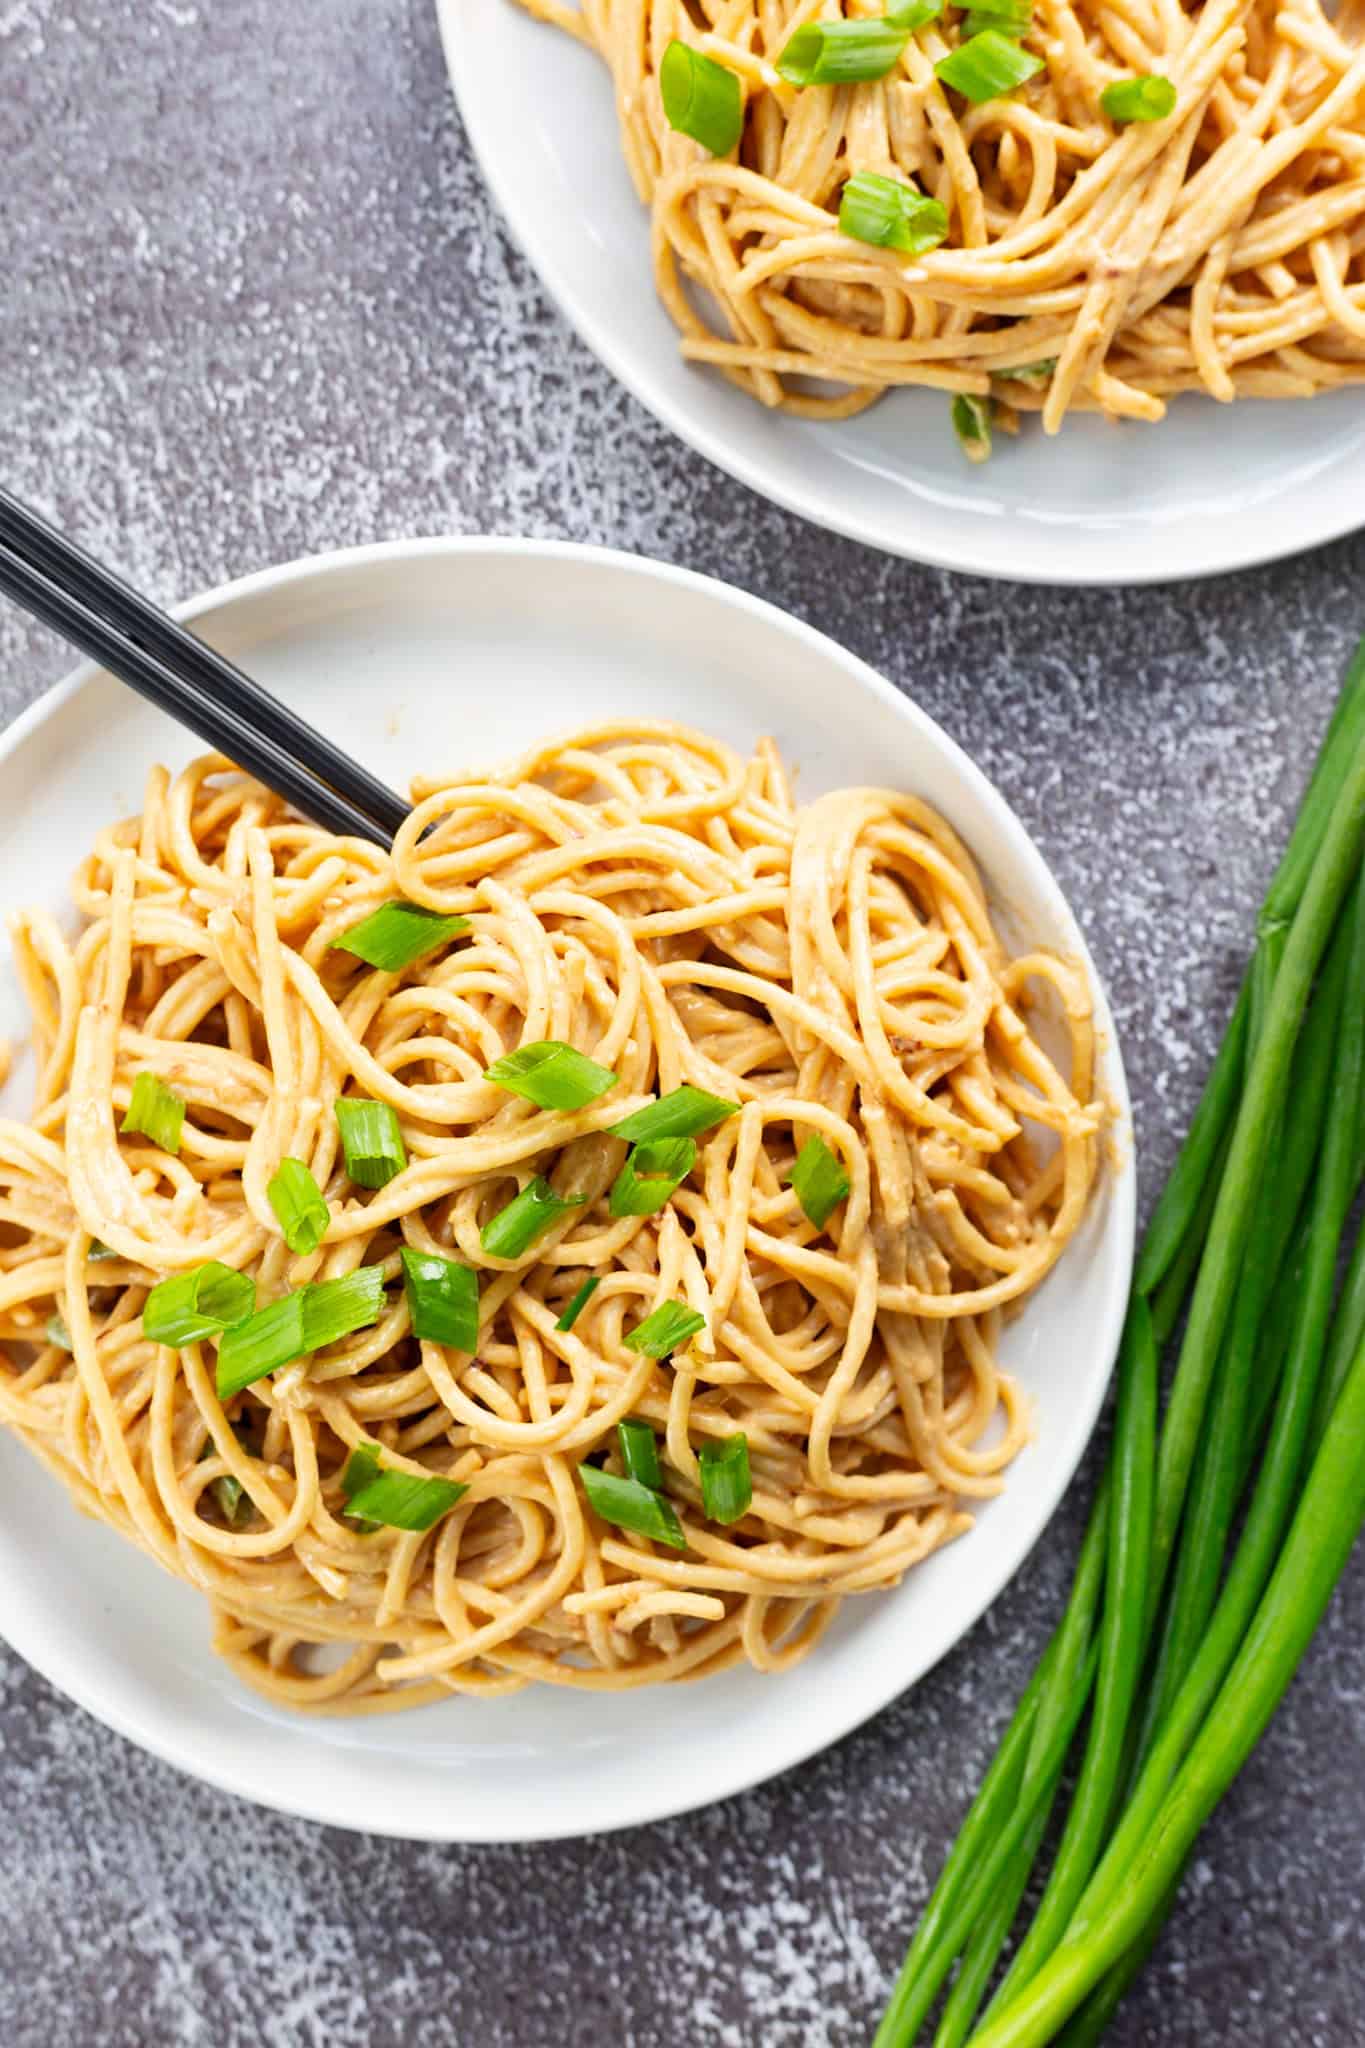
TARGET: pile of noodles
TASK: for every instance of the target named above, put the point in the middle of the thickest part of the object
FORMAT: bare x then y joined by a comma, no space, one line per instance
1221,249
646,895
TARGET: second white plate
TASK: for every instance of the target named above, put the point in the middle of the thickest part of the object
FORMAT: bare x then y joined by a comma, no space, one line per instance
1213,487
449,655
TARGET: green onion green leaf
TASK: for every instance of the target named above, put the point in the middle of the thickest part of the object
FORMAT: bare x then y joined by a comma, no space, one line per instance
551,1075
398,1500
56,1332
987,66
726,1486
891,213
819,1180
1148,98
683,1113
370,1140
672,1323
632,1506
1007,17
270,1338
1037,375
155,1111
841,52
334,1308
99,1250
972,425
640,1453
443,1299
652,1174
297,1200
527,1216
701,98
398,933
198,1304
913,15
579,1302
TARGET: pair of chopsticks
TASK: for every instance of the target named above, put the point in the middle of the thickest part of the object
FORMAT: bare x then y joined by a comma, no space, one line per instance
99,613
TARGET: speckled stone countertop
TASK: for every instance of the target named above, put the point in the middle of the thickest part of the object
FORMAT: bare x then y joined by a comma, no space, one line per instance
257,303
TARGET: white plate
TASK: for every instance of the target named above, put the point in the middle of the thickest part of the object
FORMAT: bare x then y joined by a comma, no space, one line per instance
1211,488
453,654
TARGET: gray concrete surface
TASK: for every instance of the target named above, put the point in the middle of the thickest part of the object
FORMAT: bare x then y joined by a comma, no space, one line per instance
255,302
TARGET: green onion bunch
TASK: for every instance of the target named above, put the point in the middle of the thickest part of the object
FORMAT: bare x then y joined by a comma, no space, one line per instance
1225,1514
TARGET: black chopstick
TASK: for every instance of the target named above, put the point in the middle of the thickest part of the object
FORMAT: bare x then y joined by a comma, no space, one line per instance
89,605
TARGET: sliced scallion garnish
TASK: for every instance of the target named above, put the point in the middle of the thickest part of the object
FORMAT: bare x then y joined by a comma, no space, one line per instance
1147,98
1036,375
672,1323
202,1303
841,52
819,1180
1007,17
579,1302
398,933
986,66
684,1112
913,15
651,1176
370,1140
299,1207
398,1500
972,424
890,213
640,1453
443,1299
155,1111
527,1216
552,1075
701,98
56,1332
270,1338
632,1506
304,1321
726,1486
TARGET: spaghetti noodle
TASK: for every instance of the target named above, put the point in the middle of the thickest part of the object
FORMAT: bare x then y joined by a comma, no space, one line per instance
1087,264
642,894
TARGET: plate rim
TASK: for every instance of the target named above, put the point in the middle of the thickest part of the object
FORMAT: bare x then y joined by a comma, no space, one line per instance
1278,542
65,1671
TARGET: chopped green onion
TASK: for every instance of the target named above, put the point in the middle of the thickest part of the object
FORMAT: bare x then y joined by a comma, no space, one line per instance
683,1113
271,1338
841,52
334,1308
726,1486
400,1500
298,1323
701,98
819,1180
632,1506
371,1140
913,15
652,1174
672,1323
398,933
1148,98
579,1302
527,1216
156,1111
297,1200
198,1304
56,1332
99,1250
890,213
1008,17
987,66
640,1453
1038,375
972,425
551,1075
443,1299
